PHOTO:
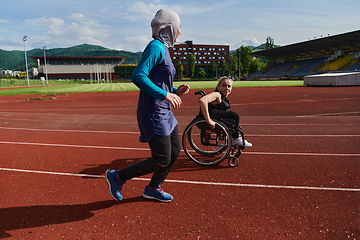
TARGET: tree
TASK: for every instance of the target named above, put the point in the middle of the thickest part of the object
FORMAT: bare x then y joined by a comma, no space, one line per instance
245,58
248,64
191,65
212,70
269,43
234,64
202,73
255,65
179,70
224,66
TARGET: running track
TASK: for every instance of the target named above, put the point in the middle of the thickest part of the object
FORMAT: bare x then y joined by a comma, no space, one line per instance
300,180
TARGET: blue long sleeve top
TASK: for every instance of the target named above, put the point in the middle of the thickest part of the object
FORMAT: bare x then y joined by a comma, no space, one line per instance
154,76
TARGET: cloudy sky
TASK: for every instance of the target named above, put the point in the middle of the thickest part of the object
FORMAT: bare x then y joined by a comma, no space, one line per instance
125,24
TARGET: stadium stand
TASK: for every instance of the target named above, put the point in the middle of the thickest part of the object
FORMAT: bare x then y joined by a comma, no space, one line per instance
354,67
339,53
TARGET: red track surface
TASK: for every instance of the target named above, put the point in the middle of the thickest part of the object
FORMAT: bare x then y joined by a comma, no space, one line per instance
300,180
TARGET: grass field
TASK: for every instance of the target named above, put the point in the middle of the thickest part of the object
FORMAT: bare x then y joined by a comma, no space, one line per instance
117,87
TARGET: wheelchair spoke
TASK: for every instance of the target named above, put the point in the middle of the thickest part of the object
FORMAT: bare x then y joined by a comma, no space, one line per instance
205,146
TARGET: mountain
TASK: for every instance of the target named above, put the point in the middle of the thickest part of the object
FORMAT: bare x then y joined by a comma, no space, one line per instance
15,60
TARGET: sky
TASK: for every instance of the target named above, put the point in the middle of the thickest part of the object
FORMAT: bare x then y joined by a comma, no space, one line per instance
125,24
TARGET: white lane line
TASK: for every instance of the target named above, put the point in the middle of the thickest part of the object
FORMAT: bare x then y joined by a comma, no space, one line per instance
263,186
192,182
293,101
305,154
127,132
299,124
147,149
302,135
60,121
67,130
52,173
331,114
74,146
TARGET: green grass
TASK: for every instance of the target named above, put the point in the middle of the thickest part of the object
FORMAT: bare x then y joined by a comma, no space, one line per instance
236,84
13,82
118,87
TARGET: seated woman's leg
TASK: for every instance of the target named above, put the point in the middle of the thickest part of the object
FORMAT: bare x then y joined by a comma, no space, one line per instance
229,115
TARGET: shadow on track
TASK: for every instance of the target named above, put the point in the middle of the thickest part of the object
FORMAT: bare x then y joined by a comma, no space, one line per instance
14,218
182,164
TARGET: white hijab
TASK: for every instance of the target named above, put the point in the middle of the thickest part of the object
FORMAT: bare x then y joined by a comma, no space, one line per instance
165,26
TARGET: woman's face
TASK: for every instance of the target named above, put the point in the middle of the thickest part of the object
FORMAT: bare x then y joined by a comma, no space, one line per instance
225,87
177,35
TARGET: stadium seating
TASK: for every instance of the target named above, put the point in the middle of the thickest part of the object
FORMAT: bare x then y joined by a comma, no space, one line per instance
300,68
354,67
336,64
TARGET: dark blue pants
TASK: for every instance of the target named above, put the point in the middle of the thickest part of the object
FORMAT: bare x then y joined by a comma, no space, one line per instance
228,115
164,152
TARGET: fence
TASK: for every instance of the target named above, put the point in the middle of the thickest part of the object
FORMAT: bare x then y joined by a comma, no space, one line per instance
36,82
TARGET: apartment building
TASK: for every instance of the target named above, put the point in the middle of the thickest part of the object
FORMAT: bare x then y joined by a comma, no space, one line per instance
204,55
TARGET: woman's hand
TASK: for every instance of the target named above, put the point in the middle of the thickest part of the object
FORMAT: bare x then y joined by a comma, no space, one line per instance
211,124
173,99
183,89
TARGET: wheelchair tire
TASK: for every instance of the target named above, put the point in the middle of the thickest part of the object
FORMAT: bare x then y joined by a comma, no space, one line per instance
205,146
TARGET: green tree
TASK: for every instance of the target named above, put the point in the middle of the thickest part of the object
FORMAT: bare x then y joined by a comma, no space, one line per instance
248,64
245,59
224,66
255,65
191,65
269,43
179,70
212,70
234,64
202,73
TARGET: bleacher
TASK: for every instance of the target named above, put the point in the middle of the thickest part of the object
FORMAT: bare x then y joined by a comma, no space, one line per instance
306,67
330,54
354,67
300,68
336,64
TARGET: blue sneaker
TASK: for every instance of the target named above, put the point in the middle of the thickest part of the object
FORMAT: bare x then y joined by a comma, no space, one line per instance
115,185
157,194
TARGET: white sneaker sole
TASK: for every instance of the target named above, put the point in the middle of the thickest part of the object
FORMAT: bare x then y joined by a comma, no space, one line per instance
154,198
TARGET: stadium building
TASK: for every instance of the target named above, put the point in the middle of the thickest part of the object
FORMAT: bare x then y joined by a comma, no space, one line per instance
79,67
338,56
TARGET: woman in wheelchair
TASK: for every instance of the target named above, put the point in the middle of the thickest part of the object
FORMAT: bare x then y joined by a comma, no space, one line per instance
217,104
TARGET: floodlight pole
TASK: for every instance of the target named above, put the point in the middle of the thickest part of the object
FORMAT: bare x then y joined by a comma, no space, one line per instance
27,74
47,83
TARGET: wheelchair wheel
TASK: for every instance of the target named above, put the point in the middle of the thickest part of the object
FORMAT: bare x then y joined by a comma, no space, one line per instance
233,161
205,146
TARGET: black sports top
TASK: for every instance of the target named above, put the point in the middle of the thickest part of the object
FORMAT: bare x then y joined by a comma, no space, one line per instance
223,106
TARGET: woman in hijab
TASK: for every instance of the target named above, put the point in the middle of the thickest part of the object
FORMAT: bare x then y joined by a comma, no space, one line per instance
158,126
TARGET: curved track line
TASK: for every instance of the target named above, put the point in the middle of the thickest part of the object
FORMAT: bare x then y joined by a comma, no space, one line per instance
67,130
147,149
193,182
127,132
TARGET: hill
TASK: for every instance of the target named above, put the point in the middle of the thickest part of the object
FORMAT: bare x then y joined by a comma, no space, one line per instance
14,60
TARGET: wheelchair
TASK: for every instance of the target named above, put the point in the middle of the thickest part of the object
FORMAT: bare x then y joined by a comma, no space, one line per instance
207,146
